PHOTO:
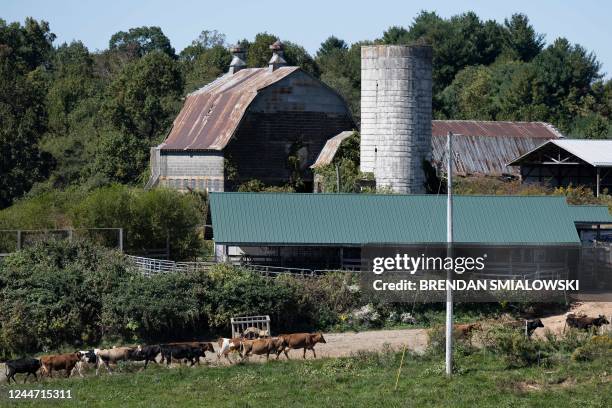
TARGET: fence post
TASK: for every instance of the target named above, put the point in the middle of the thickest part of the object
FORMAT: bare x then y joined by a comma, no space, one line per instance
121,239
18,240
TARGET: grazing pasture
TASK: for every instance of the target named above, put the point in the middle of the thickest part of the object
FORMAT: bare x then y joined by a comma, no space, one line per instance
364,379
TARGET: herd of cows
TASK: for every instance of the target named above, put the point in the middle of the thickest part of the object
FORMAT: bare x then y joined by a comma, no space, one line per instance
192,351
182,352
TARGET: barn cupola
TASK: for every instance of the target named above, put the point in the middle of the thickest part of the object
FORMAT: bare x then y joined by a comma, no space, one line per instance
237,59
277,59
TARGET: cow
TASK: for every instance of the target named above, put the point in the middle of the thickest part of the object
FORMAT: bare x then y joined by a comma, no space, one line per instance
88,357
263,346
112,356
204,346
181,352
529,325
146,353
305,341
585,322
27,366
60,362
466,330
532,325
227,346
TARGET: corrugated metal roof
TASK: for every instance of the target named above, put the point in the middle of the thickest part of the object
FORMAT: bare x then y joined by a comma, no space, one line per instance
328,152
596,214
356,219
480,147
530,130
211,114
484,147
597,153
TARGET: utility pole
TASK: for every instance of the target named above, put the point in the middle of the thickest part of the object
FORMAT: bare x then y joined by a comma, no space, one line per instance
337,178
449,253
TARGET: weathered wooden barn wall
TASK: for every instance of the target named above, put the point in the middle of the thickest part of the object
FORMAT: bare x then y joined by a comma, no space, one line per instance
294,116
196,170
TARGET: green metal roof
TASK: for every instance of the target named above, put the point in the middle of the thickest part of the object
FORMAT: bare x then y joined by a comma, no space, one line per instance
357,219
591,214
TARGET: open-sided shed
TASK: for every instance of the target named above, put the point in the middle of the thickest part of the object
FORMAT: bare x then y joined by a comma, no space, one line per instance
569,161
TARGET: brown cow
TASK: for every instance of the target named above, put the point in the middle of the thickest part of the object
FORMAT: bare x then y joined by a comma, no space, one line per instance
465,330
112,356
262,346
60,362
585,322
305,341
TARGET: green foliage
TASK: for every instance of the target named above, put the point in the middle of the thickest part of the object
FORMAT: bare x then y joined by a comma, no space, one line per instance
139,41
516,349
57,293
597,347
23,114
257,186
150,219
346,166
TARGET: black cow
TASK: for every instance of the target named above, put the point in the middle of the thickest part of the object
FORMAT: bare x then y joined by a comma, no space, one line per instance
181,352
532,325
22,366
146,353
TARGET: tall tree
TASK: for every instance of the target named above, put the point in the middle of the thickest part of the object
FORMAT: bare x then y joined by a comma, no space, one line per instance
521,39
140,41
24,51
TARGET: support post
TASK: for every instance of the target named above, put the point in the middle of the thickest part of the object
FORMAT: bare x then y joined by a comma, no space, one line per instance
598,183
337,178
449,250
121,239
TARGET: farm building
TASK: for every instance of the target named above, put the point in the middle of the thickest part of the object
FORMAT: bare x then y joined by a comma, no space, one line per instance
480,148
324,231
560,163
251,123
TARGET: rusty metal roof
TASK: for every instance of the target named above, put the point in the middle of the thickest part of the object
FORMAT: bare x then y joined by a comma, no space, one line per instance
480,147
211,114
485,147
331,147
539,130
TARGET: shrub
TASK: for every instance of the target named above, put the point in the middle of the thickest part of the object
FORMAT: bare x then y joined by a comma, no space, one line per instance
516,349
150,219
596,347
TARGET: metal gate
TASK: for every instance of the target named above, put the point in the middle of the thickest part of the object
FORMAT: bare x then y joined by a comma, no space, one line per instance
240,324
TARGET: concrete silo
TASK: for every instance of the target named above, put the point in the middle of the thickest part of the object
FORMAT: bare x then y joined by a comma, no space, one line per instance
396,115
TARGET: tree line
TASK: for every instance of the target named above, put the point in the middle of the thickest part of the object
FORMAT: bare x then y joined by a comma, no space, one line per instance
70,116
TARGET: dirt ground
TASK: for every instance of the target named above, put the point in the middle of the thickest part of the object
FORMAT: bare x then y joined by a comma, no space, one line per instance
557,323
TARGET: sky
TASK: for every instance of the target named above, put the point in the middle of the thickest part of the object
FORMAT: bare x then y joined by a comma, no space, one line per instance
307,23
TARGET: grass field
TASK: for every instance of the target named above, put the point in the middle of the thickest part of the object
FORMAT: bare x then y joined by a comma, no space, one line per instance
366,379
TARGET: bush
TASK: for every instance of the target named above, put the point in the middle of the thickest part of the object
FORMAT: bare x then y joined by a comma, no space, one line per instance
58,294
150,219
516,349
596,347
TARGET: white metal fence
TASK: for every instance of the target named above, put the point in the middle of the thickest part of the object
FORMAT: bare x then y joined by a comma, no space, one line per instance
260,323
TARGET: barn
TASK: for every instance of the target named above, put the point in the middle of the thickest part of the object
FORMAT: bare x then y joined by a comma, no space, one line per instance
327,231
560,163
267,124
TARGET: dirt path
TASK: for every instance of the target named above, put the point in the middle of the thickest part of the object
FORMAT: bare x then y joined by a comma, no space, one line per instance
557,323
